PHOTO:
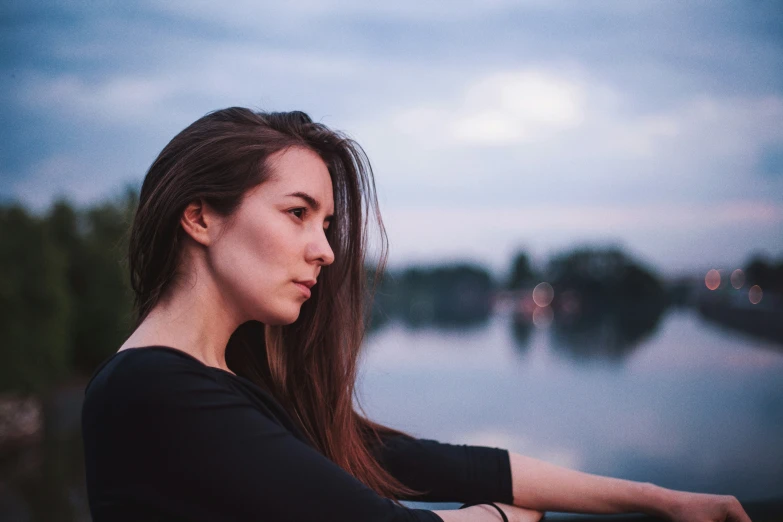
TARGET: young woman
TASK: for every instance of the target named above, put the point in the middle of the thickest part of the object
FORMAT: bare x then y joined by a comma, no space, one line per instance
232,400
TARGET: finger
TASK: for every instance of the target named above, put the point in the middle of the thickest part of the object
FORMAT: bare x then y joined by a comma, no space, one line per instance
737,514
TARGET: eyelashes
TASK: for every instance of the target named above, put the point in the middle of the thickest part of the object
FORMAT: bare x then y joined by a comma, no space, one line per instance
302,212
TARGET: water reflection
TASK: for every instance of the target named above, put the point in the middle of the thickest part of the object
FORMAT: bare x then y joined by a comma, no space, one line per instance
691,407
609,334
456,297
521,329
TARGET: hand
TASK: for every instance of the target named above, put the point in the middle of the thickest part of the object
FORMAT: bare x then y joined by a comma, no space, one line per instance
700,507
517,514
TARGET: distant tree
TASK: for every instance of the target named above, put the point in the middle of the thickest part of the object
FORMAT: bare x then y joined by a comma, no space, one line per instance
382,294
35,304
767,274
604,275
94,243
100,285
522,274
451,295
615,303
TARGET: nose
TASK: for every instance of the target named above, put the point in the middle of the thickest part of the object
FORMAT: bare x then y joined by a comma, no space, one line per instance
319,251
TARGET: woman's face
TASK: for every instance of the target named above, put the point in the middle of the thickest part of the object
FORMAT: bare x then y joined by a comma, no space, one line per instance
277,238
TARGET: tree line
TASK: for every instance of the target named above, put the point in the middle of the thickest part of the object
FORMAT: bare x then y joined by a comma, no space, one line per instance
66,302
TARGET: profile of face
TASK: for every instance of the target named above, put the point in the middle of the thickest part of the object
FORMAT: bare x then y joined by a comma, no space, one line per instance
265,256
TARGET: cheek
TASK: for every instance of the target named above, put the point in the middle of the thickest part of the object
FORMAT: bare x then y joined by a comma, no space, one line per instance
253,259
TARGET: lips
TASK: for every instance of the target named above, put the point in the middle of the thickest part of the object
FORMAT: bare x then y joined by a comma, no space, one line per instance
303,286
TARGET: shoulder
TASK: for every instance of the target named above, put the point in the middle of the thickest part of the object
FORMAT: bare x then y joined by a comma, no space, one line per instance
147,395
153,375
157,361
147,362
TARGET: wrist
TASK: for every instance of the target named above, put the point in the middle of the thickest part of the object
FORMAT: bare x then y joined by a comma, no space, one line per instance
491,509
660,501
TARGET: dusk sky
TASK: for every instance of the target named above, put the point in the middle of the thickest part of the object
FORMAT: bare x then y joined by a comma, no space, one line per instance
491,125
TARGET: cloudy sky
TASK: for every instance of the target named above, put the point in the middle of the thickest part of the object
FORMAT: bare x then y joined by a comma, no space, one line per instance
491,125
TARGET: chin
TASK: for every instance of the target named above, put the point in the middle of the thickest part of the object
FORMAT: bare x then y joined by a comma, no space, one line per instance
282,319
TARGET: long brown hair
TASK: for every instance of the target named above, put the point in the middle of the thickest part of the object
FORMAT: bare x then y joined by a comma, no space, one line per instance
309,366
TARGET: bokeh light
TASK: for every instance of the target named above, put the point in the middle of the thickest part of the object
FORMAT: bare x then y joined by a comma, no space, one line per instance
755,294
712,280
542,316
543,294
737,278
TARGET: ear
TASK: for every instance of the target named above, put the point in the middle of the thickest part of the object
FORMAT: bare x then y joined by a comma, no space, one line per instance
199,221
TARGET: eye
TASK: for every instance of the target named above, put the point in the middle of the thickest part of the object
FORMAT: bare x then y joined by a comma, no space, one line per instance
298,212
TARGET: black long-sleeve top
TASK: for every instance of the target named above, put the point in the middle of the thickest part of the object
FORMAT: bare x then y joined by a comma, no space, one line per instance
167,437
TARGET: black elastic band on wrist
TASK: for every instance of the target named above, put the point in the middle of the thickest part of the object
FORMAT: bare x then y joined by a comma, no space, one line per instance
502,514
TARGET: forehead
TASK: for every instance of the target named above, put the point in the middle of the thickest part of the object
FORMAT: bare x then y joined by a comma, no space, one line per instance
299,170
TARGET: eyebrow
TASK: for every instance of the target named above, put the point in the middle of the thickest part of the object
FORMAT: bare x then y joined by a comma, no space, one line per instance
310,200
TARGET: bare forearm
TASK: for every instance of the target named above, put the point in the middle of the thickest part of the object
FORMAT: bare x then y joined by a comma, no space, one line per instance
479,513
485,513
547,487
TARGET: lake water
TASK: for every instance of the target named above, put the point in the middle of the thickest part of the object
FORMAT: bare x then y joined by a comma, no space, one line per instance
691,407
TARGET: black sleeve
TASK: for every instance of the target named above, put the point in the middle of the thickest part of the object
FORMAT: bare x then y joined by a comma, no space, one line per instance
447,472
182,443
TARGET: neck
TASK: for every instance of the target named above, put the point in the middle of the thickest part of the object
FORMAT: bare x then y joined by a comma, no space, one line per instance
195,318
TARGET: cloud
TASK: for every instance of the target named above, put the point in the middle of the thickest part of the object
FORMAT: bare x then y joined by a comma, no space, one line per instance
770,161
500,105
246,12
224,74
586,218
72,177
118,99
586,141
501,109
663,234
